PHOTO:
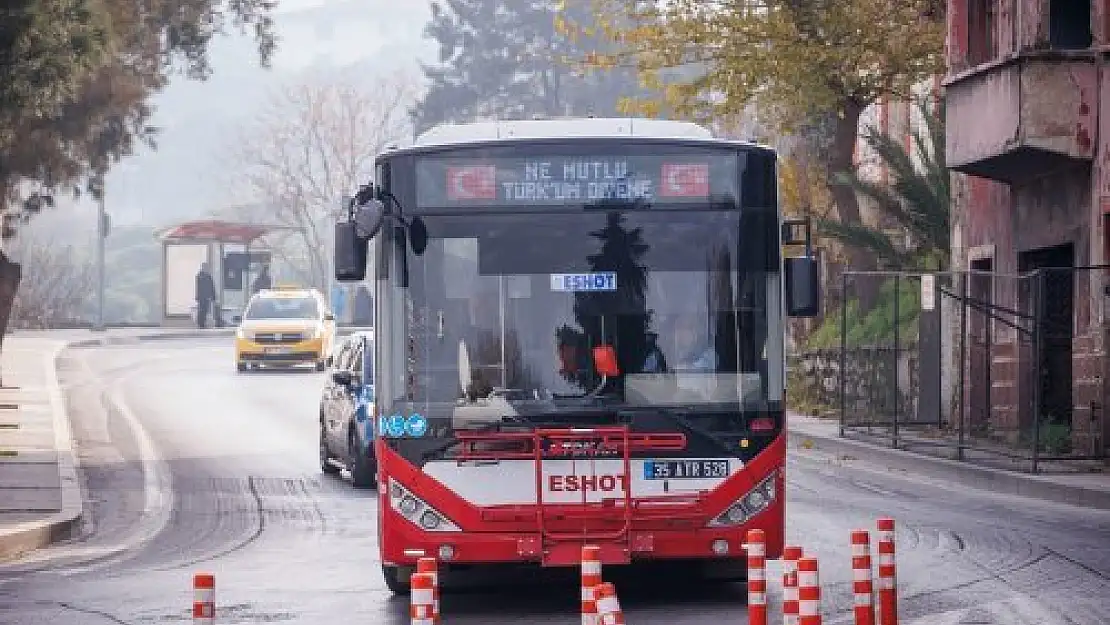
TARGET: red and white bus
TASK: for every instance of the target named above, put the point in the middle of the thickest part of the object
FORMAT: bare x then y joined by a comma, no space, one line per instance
580,339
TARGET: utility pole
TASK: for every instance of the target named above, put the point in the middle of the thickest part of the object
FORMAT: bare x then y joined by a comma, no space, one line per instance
101,234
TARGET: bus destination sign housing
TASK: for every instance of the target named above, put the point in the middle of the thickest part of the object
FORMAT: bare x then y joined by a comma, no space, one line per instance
576,180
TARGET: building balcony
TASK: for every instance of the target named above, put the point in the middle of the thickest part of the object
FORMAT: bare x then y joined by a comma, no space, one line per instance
1022,116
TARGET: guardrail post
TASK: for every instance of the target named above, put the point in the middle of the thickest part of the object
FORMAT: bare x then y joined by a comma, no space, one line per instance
888,578
861,578
790,556
809,592
608,607
757,577
430,567
591,579
422,595
204,599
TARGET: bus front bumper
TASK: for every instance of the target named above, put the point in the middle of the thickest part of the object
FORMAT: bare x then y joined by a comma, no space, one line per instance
403,543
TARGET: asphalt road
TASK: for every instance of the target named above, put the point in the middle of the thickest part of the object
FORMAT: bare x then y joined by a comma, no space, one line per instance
246,501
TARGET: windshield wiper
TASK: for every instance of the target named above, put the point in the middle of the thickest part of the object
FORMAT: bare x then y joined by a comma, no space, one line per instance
674,415
440,450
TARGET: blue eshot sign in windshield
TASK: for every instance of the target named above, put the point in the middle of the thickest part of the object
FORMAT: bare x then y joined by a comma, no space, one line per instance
578,282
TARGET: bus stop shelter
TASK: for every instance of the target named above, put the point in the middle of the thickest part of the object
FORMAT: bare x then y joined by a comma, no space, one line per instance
235,252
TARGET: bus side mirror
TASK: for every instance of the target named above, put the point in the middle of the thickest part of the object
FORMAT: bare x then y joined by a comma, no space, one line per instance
351,251
803,287
418,236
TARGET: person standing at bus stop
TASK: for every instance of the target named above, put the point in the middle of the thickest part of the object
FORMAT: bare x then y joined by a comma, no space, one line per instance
263,280
205,295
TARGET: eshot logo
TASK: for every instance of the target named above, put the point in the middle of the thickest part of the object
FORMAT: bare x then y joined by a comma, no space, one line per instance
577,282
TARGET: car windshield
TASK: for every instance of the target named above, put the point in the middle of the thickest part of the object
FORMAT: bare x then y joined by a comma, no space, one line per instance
510,307
283,308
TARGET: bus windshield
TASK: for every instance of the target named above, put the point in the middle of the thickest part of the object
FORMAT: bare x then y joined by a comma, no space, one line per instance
505,310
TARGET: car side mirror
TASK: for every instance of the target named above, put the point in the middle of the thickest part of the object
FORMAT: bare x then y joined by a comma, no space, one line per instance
342,378
803,287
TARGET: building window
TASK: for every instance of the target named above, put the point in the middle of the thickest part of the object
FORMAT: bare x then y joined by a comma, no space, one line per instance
980,31
1069,24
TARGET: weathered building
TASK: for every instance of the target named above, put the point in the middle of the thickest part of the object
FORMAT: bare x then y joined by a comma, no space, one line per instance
1028,128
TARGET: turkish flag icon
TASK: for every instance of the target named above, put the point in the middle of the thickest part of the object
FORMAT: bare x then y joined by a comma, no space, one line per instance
685,180
478,182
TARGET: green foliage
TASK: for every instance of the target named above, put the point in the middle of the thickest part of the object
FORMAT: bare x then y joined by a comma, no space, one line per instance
99,62
876,327
917,198
46,48
802,395
504,58
1053,438
797,58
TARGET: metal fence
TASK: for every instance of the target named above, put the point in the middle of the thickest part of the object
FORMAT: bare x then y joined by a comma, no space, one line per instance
1004,370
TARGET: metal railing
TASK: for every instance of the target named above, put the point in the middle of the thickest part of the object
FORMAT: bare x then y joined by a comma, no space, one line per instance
997,369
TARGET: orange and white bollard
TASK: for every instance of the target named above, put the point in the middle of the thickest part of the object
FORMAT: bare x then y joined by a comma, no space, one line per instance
861,578
204,599
790,556
888,578
591,578
422,603
757,577
429,566
809,592
608,608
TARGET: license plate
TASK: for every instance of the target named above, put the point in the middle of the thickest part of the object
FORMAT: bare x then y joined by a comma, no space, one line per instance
277,350
685,469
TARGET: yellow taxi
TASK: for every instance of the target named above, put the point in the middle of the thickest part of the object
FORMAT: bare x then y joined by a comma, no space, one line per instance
283,327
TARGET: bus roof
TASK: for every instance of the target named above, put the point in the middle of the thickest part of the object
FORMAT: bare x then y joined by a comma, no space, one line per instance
454,135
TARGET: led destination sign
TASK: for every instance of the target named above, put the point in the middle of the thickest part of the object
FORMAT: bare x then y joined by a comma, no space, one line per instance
575,180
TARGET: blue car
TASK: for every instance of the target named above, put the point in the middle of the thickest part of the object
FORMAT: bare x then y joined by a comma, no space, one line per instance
347,409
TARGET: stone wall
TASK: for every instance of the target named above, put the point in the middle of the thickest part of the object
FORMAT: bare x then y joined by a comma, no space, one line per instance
872,387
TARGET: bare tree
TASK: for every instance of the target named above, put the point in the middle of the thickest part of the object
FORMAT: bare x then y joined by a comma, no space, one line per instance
55,284
313,143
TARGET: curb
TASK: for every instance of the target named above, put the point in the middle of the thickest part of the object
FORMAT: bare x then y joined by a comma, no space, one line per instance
154,336
32,535
962,473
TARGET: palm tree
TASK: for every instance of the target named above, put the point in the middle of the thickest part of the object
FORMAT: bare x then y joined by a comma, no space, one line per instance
916,198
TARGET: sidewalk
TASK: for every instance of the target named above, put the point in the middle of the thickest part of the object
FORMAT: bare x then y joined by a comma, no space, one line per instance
1091,490
40,495
41,501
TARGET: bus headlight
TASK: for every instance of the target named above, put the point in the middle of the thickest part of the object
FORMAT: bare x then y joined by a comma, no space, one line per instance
752,503
429,520
417,511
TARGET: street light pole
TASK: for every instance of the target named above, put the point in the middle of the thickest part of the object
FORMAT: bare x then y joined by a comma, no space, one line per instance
101,219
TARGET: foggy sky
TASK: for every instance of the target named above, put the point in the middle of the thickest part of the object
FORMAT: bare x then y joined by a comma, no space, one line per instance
185,177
